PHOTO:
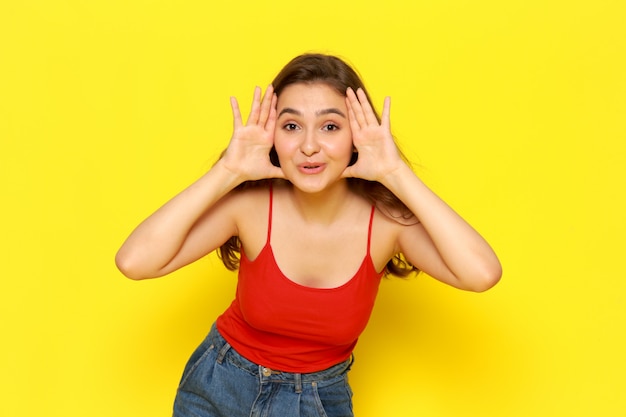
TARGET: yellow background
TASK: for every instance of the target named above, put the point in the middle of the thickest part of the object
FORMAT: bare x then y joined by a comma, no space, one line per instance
513,111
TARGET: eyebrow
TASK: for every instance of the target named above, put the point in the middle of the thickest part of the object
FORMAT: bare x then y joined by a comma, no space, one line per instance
331,110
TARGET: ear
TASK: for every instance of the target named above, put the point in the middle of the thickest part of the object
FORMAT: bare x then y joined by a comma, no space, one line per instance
274,157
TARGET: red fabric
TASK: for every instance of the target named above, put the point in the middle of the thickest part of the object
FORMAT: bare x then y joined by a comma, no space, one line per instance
286,326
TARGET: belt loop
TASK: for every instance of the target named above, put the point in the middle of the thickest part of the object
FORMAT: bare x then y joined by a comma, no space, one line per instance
351,361
223,351
298,381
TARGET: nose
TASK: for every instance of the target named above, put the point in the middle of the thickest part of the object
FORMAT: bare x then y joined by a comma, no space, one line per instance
310,144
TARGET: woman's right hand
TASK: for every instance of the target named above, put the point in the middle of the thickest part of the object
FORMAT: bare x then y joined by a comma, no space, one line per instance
197,220
247,154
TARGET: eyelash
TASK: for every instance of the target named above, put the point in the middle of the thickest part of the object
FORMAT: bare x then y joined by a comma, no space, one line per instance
330,127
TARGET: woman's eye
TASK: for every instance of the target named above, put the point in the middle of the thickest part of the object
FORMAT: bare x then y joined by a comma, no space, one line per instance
290,126
331,127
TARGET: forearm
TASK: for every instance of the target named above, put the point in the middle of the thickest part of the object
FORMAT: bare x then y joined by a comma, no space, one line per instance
157,240
466,254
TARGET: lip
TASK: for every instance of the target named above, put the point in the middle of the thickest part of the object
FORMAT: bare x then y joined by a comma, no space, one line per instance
311,168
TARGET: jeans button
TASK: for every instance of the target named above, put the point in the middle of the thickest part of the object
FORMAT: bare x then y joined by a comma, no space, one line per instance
266,372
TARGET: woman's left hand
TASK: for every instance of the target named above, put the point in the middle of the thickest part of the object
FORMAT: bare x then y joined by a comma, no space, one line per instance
378,153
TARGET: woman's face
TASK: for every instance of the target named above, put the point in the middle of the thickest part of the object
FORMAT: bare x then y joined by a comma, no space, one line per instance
313,139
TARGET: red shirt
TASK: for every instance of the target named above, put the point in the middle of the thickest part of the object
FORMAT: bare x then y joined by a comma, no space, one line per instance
280,324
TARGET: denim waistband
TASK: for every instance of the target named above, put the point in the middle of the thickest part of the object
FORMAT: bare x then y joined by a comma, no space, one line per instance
226,352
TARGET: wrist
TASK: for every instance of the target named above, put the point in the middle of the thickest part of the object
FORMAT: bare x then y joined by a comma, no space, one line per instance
222,174
395,178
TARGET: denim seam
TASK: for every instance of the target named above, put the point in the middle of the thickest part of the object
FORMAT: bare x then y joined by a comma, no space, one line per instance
196,364
318,401
239,366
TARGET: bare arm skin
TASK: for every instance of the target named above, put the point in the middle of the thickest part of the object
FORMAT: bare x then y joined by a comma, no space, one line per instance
443,244
203,216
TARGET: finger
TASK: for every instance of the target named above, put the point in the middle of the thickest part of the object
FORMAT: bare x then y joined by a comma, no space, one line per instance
255,111
368,111
234,105
347,173
277,172
271,118
354,124
357,110
266,104
386,115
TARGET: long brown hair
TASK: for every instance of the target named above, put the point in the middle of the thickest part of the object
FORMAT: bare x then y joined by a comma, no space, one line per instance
334,72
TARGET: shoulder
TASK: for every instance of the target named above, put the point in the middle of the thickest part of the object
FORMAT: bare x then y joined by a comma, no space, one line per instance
241,202
386,228
249,205
247,194
389,226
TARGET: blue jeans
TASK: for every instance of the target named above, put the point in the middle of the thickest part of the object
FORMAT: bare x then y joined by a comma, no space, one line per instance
217,381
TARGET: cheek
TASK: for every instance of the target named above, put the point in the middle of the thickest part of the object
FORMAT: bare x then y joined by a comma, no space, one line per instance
282,144
348,139
341,146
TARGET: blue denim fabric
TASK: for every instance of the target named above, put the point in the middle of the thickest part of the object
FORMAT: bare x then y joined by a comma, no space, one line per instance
217,381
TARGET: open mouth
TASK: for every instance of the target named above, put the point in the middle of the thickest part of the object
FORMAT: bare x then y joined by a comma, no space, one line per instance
311,168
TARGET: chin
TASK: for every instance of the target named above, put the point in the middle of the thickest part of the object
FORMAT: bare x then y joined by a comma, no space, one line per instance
308,188
319,186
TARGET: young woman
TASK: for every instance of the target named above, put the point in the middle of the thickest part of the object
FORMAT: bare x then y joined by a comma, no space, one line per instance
313,202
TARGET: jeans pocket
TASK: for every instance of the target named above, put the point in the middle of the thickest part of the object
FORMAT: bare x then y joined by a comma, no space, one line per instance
334,399
194,362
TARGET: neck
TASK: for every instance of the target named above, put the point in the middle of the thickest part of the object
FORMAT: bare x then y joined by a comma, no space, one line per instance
324,206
